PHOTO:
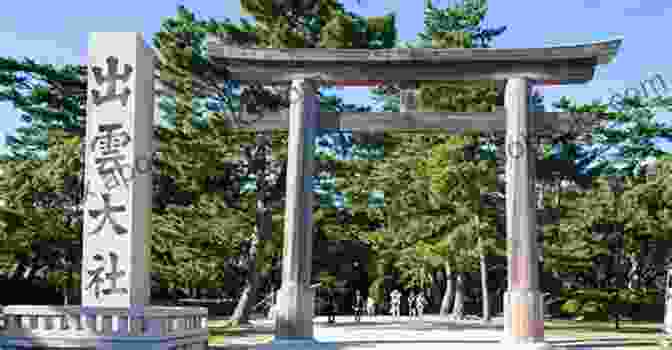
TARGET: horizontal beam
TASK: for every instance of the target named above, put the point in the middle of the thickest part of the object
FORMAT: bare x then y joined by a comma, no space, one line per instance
569,72
359,82
546,123
601,50
567,64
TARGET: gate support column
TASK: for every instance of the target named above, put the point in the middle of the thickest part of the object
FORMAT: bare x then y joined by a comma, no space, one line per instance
523,304
294,320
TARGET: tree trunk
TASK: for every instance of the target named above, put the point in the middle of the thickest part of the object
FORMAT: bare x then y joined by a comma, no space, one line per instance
436,294
68,291
447,301
458,309
244,307
634,273
252,281
484,289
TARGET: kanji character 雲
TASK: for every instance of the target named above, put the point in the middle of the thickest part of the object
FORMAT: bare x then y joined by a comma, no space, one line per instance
110,144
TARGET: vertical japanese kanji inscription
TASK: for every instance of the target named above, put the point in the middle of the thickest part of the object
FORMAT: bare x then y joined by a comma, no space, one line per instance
118,201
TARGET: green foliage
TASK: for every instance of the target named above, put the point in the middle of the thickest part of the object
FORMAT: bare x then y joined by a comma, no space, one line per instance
327,280
26,243
602,304
40,92
381,31
460,96
452,40
629,133
182,46
464,16
456,96
459,25
338,33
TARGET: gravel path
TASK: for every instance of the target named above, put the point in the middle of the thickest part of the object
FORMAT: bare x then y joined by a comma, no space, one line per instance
383,332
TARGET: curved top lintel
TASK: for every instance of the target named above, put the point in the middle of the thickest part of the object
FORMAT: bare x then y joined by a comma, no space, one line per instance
568,63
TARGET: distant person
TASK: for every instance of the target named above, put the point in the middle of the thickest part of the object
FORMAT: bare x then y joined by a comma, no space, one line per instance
420,303
358,306
411,305
395,301
370,307
331,307
273,310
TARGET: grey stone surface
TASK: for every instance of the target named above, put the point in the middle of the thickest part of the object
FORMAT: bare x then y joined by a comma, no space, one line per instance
546,123
117,214
567,63
523,311
115,311
294,317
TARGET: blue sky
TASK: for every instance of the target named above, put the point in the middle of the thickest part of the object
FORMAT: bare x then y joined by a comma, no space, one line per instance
58,34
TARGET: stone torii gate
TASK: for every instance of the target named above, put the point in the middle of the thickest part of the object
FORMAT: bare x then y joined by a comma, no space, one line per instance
116,312
304,69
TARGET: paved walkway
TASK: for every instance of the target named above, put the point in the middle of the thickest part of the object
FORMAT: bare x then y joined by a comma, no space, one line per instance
383,332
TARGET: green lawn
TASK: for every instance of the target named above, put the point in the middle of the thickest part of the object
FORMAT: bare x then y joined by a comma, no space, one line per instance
218,331
638,335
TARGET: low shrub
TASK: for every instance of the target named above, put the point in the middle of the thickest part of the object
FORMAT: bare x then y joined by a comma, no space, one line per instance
603,304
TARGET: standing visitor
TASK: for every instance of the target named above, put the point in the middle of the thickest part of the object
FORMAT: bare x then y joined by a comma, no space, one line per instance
273,310
420,303
358,306
331,307
370,306
395,301
411,305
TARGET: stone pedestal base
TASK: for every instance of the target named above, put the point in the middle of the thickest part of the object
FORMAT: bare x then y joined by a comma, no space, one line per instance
76,327
528,346
291,343
523,317
294,313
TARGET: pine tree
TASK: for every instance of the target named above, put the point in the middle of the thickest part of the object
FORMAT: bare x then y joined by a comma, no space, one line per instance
48,96
630,132
456,26
195,164
462,179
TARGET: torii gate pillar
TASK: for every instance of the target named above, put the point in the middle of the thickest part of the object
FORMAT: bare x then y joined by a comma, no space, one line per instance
294,320
523,301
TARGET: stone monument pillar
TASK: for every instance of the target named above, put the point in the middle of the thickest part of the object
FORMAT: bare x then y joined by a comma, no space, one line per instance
294,318
523,301
117,210
115,311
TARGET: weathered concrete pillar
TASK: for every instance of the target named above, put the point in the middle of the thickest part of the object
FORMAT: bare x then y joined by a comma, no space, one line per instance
668,301
407,96
523,303
117,214
295,298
